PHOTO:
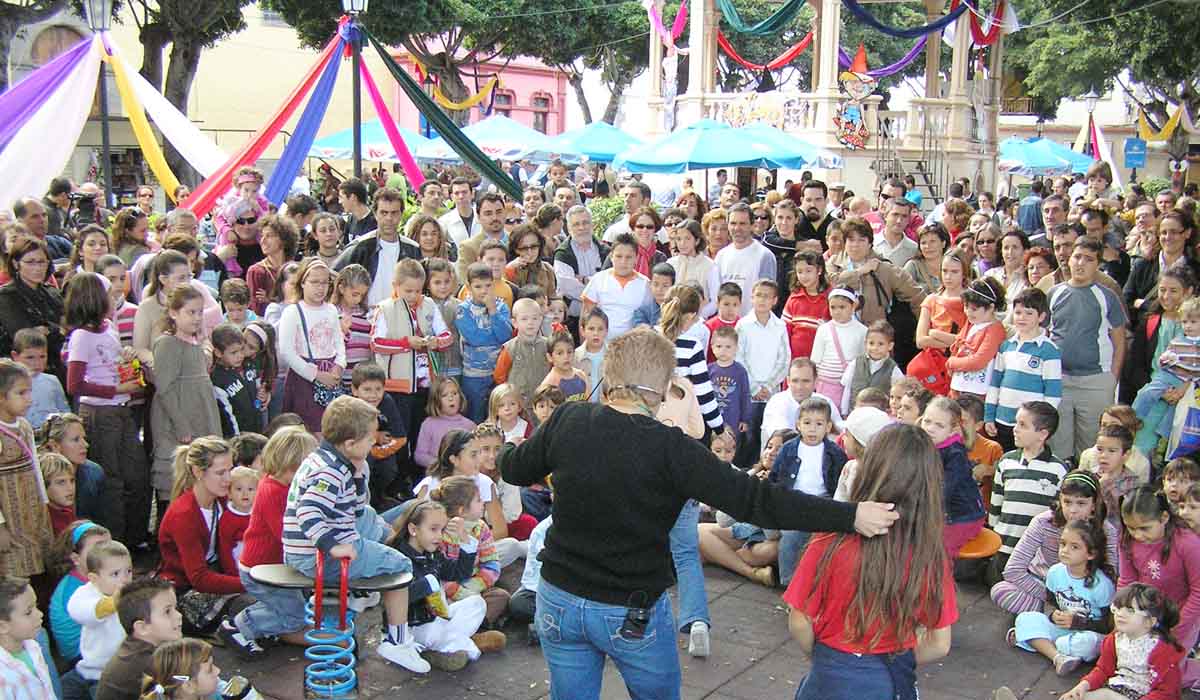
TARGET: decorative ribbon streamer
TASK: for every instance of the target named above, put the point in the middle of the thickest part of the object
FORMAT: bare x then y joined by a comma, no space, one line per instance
845,60
197,149
141,130
468,103
449,131
302,139
411,170
771,25
25,98
1180,119
775,64
956,10
205,196
677,26
42,148
996,26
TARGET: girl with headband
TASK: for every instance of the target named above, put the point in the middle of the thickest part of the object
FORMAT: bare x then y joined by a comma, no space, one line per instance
68,554
838,343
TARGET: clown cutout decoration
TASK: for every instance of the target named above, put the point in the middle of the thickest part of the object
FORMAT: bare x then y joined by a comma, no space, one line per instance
851,129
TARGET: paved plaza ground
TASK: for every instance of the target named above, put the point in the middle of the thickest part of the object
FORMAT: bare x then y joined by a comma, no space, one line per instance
753,659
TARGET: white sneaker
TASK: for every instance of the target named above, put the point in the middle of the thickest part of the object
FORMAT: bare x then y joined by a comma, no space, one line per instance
698,640
361,603
404,655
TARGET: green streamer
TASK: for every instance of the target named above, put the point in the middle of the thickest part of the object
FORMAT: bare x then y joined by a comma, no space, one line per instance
463,146
771,25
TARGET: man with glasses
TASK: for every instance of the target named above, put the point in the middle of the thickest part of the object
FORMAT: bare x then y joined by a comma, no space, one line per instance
460,222
381,249
745,261
576,260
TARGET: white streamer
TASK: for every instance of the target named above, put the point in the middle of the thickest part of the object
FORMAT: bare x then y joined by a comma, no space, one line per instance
191,143
41,149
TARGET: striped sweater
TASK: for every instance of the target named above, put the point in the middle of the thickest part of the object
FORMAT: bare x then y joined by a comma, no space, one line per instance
358,340
1022,489
1025,370
690,362
324,501
1037,551
1182,358
487,562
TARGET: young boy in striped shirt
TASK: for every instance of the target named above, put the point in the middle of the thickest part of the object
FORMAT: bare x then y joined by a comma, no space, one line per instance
327,511
1027,478
1028,367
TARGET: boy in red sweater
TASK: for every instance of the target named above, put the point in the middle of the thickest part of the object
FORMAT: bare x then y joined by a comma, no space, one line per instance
729,308
277,612
236,518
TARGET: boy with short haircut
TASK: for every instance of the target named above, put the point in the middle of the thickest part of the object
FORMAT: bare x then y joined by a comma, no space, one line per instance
874,368
662,278
1027,478
93,607
327,511
523,360
236,516
494,256
1177,479
873,398
730,381
810,463
24,667
237,396
1028,367
484,325
235,297
589,357
30,349
147,611
983,453
247,450
729,312
387,478
764,351
407,329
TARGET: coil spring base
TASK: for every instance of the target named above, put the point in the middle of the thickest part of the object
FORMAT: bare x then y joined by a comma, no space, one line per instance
331,655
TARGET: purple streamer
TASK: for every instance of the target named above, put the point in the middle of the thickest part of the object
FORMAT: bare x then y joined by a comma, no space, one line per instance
24,99
845,60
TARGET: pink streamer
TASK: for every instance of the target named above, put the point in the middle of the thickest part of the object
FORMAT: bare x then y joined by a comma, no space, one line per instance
411,170
656,24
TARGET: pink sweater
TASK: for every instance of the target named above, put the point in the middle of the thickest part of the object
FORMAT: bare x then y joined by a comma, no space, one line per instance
433,429
1178,578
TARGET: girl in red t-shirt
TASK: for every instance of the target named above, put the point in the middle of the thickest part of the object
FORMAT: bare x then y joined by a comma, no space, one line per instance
863,637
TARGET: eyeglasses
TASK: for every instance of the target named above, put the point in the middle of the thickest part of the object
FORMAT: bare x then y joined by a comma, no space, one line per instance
985,241
247,221
645,227
526,248
36,263
512,222
761,217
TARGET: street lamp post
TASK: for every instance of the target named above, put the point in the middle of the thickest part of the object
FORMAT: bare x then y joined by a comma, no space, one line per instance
427,86
1090,98
354,8
99,16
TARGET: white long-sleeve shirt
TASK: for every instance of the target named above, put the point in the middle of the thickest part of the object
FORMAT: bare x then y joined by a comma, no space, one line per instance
764,351
99,638
324,336
852,337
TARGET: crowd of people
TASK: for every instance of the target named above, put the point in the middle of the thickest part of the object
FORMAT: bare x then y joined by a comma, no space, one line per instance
815,390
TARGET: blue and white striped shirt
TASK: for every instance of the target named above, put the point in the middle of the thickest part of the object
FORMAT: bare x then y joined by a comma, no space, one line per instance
323,503
1024,370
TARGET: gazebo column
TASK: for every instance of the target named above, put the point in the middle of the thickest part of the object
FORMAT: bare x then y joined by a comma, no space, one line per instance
933,51
960,109
654,100
815,49
700,50
826,95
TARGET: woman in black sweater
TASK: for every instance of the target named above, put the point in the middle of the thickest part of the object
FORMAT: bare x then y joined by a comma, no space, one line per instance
620,480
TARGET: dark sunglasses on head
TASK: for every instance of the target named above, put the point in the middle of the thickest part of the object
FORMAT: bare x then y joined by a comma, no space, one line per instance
248,220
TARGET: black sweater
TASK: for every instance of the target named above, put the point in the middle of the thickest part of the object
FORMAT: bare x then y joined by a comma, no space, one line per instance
620,481
435,564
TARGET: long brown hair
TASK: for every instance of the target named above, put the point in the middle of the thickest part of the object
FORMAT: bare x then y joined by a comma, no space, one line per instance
681,301
900,574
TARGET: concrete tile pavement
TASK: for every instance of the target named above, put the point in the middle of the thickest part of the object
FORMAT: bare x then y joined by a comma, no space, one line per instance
753,659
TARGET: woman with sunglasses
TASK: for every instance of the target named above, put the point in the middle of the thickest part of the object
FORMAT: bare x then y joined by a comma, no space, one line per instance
987,244
244,248
525,251
760,219
644,225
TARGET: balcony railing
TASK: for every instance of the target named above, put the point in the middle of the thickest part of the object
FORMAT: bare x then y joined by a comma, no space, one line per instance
1017,105
790,111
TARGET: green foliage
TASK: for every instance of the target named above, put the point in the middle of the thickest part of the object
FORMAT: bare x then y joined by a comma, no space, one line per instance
1154,185
605,211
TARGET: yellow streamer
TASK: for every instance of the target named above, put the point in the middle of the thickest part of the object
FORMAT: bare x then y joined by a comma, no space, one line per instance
468,103
1146,134
141,130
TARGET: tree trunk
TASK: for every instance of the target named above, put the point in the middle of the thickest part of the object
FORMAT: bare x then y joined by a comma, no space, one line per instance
154,38
185,60
8,30
445,68
616,88
576,81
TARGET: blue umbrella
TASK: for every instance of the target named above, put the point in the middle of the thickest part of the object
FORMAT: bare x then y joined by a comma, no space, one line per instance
709,144
599,141
500,138
1079,163
375,144
1019,156
813,156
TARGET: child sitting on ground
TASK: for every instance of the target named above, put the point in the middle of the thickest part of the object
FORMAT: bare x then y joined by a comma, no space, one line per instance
965,514
563,374
517,524
863,423
1113,444
231,529
1136,462
63,434
388,481
505,408
23,666
93,607
442,414
58,474
446,631
325,501
1177,478
460,497
182,669
146,609
71,549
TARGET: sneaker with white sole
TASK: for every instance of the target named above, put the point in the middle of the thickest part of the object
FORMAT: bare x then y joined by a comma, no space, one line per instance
404,655
698,640
1065,665
233,638
359,602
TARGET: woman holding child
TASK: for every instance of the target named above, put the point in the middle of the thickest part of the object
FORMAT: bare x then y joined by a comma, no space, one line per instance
621,479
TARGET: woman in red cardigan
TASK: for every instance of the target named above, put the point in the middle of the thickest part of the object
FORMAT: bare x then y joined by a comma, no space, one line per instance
187,537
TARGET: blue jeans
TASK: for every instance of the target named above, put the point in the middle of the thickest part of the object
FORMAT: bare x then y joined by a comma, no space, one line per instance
577,634
371,556
791,546
1158,416
76,687
685,551
275,610
477,390
89,491
836,675
43,639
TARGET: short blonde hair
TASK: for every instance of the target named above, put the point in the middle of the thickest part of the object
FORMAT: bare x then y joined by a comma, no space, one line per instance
53,464
525,305
243,473
640,358
347,419
1190,307
286,449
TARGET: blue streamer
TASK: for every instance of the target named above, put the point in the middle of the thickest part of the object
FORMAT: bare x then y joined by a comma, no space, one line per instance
936,26
306,131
